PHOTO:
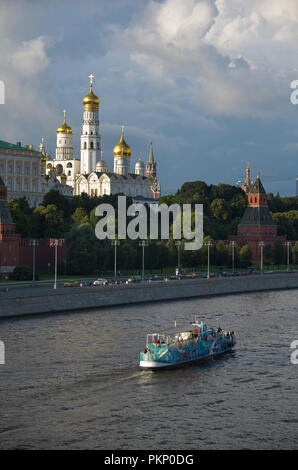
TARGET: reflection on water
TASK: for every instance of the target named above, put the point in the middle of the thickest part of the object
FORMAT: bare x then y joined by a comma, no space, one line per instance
72,381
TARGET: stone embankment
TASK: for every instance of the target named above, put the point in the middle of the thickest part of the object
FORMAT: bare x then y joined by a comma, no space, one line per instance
28,301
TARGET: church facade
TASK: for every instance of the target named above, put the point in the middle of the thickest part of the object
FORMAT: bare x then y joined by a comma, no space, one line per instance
90,174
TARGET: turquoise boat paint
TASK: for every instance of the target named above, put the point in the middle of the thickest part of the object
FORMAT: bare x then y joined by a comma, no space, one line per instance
198,344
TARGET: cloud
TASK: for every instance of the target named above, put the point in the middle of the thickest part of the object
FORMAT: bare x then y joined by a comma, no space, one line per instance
30,57
236,56
202,79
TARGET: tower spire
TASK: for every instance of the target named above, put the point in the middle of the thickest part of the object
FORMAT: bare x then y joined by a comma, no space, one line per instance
151,165
247,184
151,157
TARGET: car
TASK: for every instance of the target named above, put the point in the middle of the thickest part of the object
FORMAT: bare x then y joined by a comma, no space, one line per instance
71,284
100,282
133,279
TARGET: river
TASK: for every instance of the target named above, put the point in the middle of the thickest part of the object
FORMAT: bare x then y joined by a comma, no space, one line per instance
71,381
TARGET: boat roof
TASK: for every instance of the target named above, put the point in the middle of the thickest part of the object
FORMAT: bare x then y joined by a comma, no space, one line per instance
179,328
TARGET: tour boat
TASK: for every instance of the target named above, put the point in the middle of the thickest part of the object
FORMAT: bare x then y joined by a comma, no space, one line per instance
170,350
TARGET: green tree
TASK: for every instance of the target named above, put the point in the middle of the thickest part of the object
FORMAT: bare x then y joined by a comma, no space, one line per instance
220,210
83,250
267,254
79,216
278,253
295,254
21,214
48,222
245,256
57,199
222,254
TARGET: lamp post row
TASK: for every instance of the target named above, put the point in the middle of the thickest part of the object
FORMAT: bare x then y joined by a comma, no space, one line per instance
56,242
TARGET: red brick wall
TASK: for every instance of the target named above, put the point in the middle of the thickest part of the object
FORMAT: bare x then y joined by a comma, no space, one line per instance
44,254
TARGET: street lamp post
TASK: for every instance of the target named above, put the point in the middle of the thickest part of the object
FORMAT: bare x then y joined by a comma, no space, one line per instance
208,244
115,243
55,242
143,243
232,244
262,244
287,245
178,244
34,244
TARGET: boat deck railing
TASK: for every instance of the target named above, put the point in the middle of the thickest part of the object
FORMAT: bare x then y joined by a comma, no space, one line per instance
157,338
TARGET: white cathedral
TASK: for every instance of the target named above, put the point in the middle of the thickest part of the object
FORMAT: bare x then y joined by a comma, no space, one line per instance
90,173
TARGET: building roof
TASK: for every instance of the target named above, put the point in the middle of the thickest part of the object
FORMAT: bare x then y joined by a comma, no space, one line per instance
115,175
7,146
257,215
257,187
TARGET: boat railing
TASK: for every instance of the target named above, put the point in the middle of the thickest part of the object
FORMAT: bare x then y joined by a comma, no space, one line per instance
158,338
172,340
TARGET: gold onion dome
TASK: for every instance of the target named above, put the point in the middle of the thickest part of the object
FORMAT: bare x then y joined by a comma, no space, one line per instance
91,101
122,149
63,176
64,129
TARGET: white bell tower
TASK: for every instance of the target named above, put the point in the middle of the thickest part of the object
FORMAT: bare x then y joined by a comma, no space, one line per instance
90,138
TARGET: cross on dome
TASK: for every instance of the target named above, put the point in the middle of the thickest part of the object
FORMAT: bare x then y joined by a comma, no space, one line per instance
91,78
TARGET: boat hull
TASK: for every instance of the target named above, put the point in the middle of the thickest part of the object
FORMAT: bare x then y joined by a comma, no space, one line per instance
159,365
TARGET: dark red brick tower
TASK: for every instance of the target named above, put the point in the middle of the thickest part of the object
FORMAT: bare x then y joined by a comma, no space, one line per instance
256,224
9,240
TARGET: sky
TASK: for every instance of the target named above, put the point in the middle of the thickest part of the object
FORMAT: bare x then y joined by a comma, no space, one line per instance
208,82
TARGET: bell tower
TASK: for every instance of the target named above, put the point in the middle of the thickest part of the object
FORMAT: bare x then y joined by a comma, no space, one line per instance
90,138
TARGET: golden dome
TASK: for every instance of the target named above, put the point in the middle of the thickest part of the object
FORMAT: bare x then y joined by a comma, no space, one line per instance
91,98
64,129
91,101
122,149
63,176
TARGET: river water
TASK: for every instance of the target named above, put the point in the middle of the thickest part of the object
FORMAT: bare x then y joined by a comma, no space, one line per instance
71,381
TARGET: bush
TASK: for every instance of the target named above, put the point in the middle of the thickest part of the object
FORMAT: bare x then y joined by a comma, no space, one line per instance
22,273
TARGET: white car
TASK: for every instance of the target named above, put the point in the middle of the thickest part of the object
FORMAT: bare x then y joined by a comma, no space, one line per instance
100,282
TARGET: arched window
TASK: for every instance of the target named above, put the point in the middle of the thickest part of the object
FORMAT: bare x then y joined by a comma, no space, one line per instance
85,145
91,145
